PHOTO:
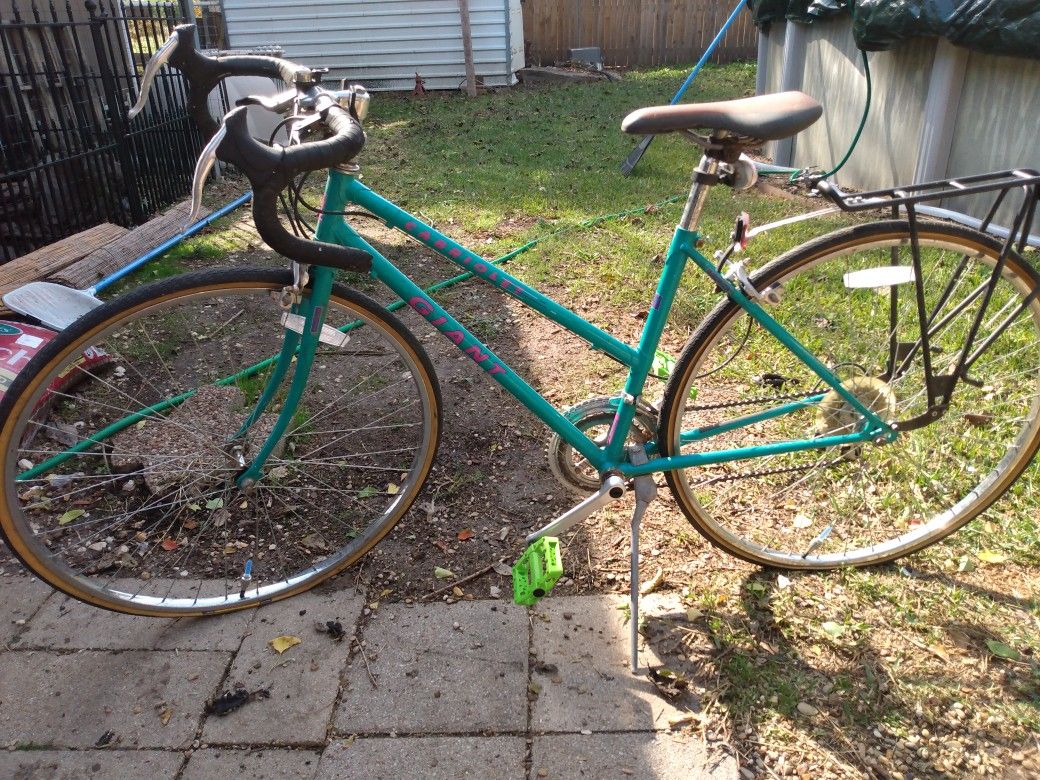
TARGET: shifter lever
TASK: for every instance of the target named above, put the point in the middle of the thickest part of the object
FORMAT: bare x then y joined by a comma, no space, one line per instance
202,168
160,58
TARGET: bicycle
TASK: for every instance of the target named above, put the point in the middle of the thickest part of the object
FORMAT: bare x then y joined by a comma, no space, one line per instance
253,432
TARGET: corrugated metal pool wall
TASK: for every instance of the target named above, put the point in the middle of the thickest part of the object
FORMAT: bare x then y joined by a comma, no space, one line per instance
384,44
989,122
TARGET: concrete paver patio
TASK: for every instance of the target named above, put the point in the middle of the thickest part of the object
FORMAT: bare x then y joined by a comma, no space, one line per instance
481,689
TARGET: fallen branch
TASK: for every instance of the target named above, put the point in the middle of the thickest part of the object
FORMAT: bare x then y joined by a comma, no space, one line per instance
463,581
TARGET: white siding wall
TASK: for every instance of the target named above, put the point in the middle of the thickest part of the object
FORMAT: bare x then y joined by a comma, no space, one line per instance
383,44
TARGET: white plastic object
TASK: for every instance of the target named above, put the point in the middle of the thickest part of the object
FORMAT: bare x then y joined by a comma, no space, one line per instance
882,276
55,305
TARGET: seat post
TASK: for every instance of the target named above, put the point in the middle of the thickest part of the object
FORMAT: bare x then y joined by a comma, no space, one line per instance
691,215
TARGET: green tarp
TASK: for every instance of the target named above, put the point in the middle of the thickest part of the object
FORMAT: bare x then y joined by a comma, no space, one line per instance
1008,27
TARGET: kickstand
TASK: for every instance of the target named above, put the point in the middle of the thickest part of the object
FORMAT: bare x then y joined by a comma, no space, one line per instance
646,491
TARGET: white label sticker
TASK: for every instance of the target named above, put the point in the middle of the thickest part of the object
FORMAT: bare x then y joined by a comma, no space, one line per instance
25,340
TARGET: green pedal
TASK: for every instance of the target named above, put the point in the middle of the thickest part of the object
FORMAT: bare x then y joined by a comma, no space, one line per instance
537,571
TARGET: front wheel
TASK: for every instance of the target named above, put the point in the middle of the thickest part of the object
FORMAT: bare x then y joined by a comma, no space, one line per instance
868,503
119,467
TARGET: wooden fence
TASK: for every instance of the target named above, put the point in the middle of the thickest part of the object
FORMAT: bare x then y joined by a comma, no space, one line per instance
635,32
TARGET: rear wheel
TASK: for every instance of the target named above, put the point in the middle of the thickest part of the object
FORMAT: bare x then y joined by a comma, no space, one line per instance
119,482
869,503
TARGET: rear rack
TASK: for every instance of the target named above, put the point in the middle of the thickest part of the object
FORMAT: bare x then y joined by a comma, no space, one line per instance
933,190
906,197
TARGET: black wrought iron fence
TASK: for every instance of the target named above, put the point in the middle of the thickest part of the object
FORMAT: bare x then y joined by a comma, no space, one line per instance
69,159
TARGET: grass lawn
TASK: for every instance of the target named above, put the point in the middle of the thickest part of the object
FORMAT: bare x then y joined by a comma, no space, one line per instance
928,668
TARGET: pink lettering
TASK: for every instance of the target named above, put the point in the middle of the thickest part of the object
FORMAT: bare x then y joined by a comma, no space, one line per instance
455,252
475,353
496,369
409,225
421,305
454,335
479,268
493,276
439,321
504,284
440,243
425,235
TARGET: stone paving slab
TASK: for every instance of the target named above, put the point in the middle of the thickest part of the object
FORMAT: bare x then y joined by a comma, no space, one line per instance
303,681
72,699
267,764
580,652
624,757
434,678
20,597
89,764
424,758
66,623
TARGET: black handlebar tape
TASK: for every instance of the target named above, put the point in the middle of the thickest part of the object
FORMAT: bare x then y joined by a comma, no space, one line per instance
204,73
270,170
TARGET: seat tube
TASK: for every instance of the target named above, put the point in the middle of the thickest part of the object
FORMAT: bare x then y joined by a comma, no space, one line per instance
703,178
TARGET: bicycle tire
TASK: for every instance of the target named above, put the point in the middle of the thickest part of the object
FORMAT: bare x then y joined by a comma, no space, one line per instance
178,493
799,510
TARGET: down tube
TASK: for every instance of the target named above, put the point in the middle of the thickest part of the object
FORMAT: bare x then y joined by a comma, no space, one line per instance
487,360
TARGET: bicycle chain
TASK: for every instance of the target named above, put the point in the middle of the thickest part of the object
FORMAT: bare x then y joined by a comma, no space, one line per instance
771,472
750,401
762,472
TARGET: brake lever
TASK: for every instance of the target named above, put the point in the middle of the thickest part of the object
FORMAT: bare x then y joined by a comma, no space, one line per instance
161,57
205,164
277,103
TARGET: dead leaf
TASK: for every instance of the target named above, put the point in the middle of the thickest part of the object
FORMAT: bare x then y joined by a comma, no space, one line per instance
503,568
465,534
978,419
169,545
681,719
653,583
990,556
282,643
457,592
440,545
314,541
229,701
392,489
71,515
165,715
442,573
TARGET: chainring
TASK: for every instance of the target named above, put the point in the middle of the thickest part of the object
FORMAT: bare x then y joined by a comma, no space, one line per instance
593,417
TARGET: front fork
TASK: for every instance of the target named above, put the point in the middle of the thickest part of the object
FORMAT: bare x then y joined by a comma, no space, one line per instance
301,347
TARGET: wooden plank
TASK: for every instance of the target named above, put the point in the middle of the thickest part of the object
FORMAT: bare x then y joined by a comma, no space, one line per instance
128,247
467,49
45,261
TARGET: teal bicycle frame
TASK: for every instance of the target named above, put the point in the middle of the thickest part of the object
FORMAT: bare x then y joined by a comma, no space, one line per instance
298,349
344,190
